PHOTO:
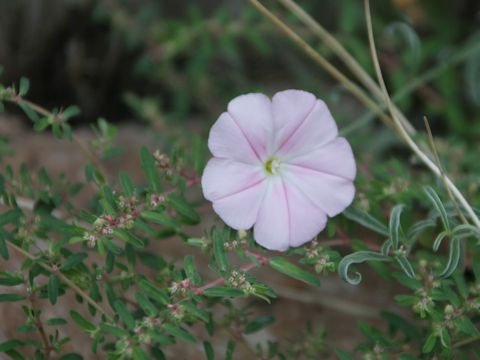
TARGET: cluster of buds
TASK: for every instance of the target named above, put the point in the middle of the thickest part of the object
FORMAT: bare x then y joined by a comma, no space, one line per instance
105,224
176,311
240,241
237,280
127,204
91,239
424,305
156,200
123,346
324,264
143,326
125,221
164,163
180,287
396,187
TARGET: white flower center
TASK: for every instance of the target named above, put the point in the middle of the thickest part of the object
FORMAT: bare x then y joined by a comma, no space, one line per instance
273,166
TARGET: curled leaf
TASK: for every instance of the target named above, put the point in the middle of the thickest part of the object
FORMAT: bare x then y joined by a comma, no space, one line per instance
358,258
394,225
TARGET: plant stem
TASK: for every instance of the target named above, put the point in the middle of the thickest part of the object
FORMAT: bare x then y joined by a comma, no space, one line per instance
331,69
17,99
344,55
63,278
401,130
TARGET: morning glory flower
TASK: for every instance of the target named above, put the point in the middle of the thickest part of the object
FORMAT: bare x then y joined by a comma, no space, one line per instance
279,166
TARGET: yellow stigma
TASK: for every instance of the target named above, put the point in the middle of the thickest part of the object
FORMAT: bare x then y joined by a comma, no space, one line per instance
272,166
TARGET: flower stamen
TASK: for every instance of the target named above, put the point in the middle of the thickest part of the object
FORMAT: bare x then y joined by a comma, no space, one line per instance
273,166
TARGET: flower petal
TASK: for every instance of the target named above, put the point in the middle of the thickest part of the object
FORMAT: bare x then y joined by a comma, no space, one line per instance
335,158
290,108
272,229
252,113
236,189
330,193
227,140
316,129
287,217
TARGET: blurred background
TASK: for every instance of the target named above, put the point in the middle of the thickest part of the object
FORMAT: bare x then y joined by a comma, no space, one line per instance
172,66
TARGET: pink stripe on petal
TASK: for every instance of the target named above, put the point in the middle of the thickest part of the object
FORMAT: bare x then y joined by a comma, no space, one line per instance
226,140
272,229
335,158
224,177
329,193
240,210
253,115
318,128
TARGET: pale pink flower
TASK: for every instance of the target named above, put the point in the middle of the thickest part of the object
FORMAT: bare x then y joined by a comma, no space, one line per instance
279,166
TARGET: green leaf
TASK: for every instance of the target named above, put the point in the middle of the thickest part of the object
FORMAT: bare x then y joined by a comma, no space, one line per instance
3,247
11,297
70,112
439,239
159,218
465,325
10,217
405,265
73,260
258,324
114,330
365,219
191,270
284,266
31,114
129,238
124,314
150,169
82,322
394,225
230,350
358,258
184,209
209,353
53,284
219,250
153,292
429,343
145,304
179,332
192,309
56,322
222,291
24,86
11,344
437,203
454,256
126,184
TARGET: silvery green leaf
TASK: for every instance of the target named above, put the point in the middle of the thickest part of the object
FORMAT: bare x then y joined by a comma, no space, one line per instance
437,203
358,258
394,225
365,219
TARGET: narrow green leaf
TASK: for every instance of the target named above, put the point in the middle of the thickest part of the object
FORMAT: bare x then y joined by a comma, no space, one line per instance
179,332
394,225
159,218
191,270
150,169
405,265
71,356
454,256
209,353
221,291
219,250
129,238
145,304
465,325
82,322
343,355
56,322
73,260
31,114
439,239
3,247
192,309
284,266
139,354
24,86
153,292
53,284
11,297
258,324
183,208
11,344
126,184
437,203
114,330
124,314
11,217
358,258
365,219
70,112
230,350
